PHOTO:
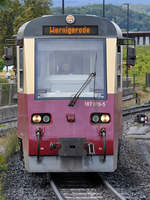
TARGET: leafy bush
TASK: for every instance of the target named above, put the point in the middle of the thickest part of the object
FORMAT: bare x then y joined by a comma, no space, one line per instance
144,88
2,80
11,145
3,164
1,64
9,149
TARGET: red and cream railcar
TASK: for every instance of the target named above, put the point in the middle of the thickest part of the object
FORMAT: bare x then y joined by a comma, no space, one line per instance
69,118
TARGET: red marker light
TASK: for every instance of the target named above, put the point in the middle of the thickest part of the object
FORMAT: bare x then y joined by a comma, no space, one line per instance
70,117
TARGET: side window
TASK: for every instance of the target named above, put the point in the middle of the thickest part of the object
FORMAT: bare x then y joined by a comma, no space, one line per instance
21,67
119,68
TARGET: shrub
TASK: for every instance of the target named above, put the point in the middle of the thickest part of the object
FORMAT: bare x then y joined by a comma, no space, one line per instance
11,145
1,64
3,164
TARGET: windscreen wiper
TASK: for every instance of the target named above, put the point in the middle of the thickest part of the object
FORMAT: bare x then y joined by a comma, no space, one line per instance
76,96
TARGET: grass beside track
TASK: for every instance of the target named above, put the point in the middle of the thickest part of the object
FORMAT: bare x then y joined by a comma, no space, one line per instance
8,147
144,97
139,70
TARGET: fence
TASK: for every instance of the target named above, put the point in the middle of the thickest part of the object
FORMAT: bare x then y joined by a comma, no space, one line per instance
7,113
132,86
8,94
147,79
128,88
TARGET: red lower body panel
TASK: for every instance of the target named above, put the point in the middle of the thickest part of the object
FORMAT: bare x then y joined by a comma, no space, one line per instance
59,127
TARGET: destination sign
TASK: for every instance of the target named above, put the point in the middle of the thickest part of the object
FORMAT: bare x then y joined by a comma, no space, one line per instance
70,30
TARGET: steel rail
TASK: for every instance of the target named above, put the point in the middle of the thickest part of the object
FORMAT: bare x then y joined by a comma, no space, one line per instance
136,109
119,196
113,190
104,182
55,189
8,120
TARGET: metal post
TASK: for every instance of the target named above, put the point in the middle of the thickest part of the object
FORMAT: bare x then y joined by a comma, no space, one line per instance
10,94
127,40
1,94
146,79
127,74
63,7
134,81
103,8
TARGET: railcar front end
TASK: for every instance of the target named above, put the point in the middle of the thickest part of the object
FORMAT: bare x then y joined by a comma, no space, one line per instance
69,118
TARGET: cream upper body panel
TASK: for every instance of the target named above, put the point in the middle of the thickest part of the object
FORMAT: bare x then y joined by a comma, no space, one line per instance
28,54
18,69
111,51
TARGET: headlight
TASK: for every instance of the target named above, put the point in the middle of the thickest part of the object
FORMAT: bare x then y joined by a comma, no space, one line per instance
95,118
105,118
36,118
98,118
46,118
39,118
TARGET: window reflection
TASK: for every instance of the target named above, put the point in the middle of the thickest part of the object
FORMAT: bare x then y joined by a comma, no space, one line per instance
63,65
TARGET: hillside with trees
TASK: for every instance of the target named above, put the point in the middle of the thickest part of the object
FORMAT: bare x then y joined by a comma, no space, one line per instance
140,8
15,12
74,3
137,21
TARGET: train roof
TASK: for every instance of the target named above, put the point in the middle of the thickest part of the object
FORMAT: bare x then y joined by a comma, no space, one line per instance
34,28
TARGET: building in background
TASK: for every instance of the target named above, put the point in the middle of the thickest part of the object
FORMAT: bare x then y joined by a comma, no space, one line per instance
141,38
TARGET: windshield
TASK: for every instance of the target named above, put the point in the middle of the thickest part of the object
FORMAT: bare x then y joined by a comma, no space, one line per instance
63,65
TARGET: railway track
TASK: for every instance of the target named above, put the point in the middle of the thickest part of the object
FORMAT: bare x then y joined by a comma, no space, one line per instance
136,109
82,186
8,120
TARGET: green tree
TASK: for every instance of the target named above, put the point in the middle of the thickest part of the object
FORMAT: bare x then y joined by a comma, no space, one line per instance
31,10
6,21
3,4
17,14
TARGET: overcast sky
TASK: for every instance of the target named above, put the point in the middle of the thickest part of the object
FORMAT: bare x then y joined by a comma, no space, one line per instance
89,2
128,1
